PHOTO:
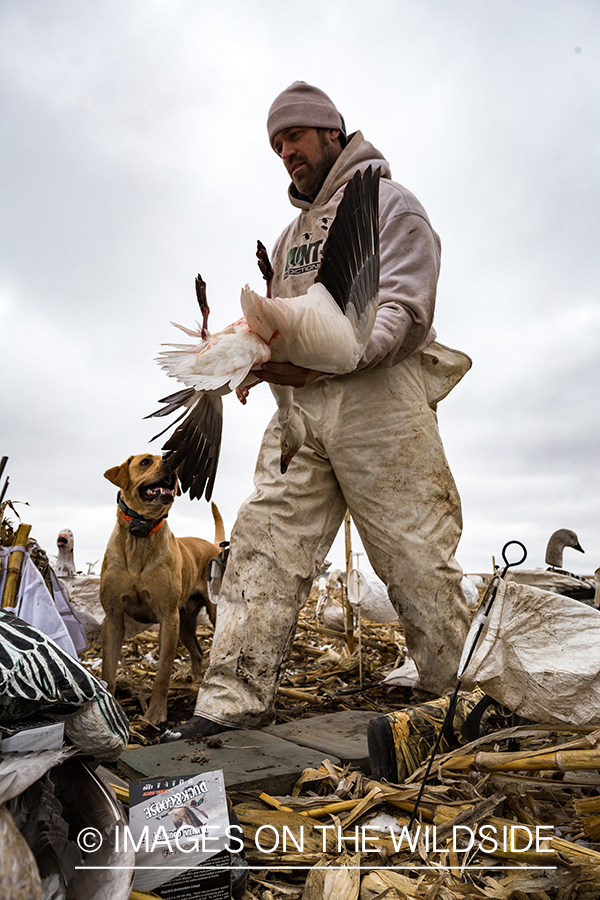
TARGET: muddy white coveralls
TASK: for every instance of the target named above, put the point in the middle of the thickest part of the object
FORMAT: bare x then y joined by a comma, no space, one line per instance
372,446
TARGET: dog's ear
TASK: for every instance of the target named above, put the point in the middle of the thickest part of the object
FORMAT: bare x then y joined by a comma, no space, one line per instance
119,475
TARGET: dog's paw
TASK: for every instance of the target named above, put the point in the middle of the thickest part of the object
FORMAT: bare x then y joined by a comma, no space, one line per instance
155,717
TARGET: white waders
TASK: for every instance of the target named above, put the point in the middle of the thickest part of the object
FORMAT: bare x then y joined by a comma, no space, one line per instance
373,446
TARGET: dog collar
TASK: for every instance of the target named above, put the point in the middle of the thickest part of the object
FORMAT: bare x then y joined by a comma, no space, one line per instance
139,526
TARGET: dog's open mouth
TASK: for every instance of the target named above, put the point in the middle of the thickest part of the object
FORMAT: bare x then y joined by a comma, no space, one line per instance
157,493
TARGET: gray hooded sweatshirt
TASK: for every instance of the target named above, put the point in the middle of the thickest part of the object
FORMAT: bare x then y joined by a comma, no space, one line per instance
409,248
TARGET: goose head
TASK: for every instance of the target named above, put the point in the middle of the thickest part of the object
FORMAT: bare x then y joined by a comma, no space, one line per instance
562,538
293,435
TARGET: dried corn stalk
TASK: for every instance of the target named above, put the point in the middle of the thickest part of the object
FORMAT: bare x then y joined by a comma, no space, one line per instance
15,564
338,880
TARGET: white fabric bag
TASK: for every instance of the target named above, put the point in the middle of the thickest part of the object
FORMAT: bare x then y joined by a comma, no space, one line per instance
538,655
366,590
36,606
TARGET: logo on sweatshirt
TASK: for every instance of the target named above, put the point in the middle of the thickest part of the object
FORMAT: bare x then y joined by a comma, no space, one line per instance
303,258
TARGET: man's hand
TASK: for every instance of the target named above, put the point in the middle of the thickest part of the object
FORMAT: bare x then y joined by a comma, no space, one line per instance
286,374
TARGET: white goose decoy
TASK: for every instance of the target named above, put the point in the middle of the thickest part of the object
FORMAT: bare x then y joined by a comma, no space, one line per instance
326,329
65,562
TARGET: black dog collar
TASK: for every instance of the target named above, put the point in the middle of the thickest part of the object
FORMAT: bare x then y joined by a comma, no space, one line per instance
139,526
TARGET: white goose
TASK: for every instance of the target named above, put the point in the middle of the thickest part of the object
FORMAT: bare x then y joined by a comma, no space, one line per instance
326,329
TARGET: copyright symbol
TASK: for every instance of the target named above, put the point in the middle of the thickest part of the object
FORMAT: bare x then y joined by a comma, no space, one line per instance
89,840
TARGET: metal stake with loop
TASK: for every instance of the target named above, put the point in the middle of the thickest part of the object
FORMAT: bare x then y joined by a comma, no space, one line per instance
215,572
481,619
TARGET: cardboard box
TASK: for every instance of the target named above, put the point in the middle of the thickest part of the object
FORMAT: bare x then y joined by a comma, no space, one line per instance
180,827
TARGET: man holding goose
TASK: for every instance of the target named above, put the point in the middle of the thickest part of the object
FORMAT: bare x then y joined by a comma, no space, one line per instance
371,445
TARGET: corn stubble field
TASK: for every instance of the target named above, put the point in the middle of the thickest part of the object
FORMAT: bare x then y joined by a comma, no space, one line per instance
484,789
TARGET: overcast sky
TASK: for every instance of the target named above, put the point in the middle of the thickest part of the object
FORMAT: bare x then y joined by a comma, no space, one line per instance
134,155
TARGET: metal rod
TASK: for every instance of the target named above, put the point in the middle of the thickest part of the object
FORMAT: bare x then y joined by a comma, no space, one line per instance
345,601
447,723
3,462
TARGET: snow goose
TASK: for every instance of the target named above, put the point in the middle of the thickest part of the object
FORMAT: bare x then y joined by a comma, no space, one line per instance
327,329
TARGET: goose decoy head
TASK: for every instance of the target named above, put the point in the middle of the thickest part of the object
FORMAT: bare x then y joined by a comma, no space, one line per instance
562,538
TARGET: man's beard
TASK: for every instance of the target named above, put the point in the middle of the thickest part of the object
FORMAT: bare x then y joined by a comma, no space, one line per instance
310,179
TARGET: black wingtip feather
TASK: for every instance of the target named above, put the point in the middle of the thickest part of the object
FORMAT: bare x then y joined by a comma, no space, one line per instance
353,239
193,448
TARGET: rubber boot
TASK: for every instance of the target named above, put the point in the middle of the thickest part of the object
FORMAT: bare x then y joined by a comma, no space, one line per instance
400,742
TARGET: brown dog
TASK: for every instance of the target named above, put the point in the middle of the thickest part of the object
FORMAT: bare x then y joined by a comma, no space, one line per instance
152,575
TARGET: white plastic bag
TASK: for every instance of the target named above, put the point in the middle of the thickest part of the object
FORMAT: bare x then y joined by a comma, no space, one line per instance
538,655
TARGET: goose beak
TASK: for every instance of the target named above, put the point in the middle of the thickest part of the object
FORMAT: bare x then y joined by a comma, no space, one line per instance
284,462
578,547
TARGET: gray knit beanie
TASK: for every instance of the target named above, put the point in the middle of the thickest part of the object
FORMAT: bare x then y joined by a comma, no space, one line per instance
303,104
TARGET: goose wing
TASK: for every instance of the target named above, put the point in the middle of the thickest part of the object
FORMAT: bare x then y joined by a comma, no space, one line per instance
193,448
215,366
219,363
349,267
328,328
